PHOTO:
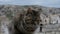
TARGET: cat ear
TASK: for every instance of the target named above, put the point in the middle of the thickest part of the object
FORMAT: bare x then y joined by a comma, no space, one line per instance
29,9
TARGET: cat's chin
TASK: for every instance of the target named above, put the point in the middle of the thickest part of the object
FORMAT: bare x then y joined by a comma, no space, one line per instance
30,29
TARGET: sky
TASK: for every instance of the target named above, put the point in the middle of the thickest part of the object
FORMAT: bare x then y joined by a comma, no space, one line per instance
48,3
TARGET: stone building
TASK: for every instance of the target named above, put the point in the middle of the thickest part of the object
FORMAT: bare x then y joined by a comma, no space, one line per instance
55,18
50,19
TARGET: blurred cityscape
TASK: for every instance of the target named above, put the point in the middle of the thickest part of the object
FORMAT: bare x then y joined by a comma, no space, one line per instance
50,17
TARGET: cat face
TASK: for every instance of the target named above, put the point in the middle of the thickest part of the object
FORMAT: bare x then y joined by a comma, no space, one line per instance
31,22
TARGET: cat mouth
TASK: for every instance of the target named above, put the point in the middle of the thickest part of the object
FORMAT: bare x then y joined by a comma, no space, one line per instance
30,28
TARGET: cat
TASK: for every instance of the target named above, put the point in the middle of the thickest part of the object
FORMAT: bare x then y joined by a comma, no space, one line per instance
25,23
